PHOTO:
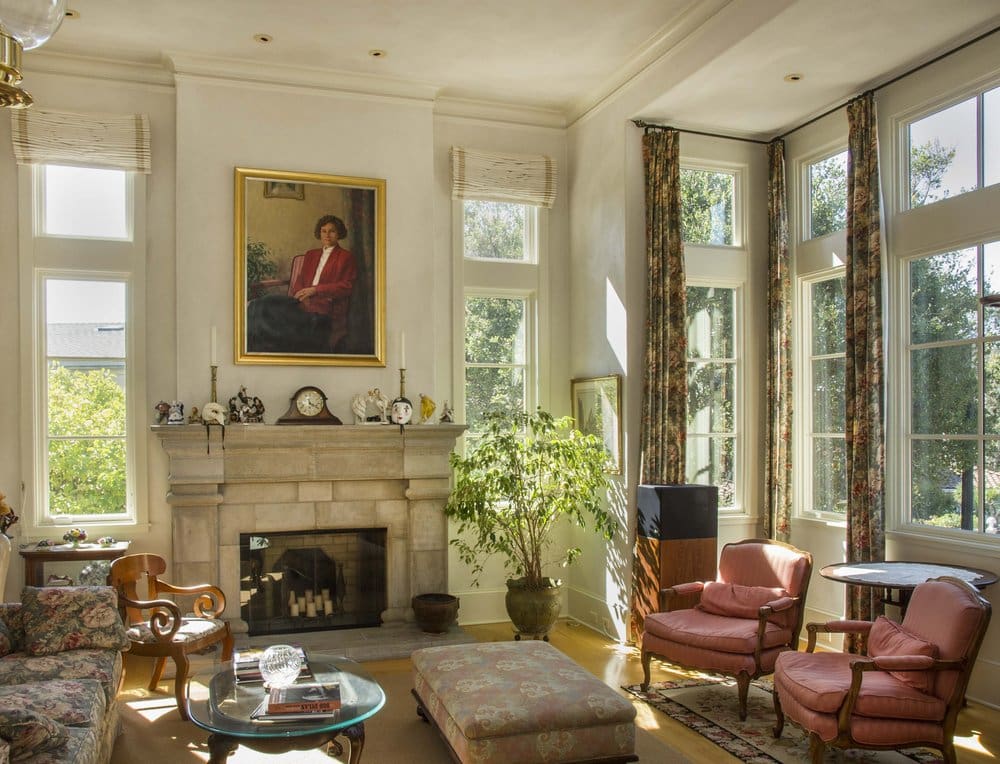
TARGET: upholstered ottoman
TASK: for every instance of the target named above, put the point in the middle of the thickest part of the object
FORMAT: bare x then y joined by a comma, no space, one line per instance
523,702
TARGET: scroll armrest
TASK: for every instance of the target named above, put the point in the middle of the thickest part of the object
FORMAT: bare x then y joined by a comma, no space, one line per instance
778,606
164,616
835,627
679,590
903,662
209,604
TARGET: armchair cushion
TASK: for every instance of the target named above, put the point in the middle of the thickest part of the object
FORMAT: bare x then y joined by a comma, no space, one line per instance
736,600
888,638
28,732
189,630
63,618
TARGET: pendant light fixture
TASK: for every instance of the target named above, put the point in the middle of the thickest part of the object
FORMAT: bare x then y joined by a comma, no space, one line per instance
24,25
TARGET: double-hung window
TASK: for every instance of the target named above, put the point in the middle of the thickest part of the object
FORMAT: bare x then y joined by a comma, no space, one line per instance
82,271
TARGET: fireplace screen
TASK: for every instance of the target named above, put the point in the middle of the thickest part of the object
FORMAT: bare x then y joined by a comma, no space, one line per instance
297,581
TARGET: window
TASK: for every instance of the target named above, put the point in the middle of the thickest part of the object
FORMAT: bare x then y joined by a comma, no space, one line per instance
85,323
827,185
496,231
954,378
83,270
500,274
826,491
708,200
954,150
712,390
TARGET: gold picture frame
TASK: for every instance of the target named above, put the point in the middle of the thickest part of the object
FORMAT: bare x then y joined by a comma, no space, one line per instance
597,409
284,312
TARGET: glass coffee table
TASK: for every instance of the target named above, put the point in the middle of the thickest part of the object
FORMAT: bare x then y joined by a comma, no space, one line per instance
221,705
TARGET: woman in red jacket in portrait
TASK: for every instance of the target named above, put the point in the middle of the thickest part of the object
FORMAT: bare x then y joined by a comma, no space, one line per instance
324,282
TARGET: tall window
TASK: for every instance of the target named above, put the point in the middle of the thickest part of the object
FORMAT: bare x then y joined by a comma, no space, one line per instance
954,150
708,203
85,263
953,351
826,491
500,266
712,438
827,204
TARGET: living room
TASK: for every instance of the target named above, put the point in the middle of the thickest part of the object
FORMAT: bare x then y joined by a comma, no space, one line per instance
711,66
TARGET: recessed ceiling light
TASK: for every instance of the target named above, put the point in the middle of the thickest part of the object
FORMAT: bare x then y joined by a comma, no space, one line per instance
263,39
377,53
793,77
72,13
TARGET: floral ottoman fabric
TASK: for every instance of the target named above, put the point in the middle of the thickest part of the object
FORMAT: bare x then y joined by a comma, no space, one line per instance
523,702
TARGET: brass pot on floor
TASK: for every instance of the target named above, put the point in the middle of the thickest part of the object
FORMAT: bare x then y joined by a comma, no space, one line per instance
533,611
435,613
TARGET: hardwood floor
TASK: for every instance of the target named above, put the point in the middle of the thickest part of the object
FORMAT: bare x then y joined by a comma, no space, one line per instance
977,736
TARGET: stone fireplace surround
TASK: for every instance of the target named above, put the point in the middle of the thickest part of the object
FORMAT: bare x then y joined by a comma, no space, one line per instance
270,478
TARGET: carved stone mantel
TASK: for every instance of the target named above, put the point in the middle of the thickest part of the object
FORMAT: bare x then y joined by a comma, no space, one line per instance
271,478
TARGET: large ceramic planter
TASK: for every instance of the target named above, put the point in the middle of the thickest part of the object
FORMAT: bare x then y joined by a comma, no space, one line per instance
435,613
532,611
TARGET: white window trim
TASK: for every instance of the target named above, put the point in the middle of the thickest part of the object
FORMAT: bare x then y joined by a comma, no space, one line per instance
804,194
518,278
739,171
41,256
742,466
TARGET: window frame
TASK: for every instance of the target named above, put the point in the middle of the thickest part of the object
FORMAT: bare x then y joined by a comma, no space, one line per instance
738,171
806,166
42,257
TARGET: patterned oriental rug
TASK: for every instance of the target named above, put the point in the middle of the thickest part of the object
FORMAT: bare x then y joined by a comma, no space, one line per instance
708,706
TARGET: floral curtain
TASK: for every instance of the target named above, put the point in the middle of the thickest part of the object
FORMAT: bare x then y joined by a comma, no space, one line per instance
778,470
864,377
664,401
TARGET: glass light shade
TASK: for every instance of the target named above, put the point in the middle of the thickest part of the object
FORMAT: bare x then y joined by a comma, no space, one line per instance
280,665
32,22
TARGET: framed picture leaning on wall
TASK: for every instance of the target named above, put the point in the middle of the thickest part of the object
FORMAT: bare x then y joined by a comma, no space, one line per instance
309,269
597,409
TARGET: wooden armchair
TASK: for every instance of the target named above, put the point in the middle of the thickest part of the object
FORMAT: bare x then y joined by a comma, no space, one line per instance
743,620
156,626
906,692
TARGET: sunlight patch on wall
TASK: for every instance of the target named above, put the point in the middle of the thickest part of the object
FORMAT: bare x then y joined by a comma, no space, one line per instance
614,310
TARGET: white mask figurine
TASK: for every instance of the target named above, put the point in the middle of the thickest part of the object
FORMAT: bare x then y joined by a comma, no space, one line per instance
401,412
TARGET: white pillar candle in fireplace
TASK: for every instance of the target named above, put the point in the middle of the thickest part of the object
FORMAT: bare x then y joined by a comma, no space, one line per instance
293,610
327,607
326,594
310,610
292,599
302,603
309,595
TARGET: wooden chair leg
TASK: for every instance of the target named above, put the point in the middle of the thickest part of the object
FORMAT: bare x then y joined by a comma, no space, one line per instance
646,658
817,748
948,752
743,686
227,646
779,716
158,667
180,683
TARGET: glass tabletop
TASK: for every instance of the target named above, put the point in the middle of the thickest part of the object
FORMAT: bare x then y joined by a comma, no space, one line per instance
220,704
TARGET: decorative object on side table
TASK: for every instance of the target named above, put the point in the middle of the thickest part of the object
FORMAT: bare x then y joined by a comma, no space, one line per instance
75,536
106,541
308,406
549,472
7,516
280,665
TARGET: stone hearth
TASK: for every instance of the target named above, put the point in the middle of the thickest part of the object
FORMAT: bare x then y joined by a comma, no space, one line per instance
267,478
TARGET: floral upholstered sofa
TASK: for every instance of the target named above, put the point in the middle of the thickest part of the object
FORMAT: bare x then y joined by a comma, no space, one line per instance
60,671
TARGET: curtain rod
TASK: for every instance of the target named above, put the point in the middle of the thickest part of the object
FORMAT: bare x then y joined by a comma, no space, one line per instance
828,112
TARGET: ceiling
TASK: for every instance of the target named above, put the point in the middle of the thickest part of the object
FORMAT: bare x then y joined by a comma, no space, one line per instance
726,58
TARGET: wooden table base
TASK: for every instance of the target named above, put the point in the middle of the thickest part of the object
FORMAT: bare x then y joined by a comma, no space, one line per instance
221,746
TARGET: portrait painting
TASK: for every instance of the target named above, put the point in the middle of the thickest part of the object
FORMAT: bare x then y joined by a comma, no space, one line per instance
597,409
310,269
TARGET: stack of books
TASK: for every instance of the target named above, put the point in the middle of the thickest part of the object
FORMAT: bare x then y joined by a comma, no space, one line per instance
246,664
299,702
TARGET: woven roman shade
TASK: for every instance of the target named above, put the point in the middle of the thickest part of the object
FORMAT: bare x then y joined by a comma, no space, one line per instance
517,178
120,141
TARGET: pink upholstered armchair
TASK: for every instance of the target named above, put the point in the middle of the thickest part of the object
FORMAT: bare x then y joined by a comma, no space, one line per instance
743,620
906,692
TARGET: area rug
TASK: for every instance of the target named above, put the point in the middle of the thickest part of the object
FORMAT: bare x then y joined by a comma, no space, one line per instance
708,706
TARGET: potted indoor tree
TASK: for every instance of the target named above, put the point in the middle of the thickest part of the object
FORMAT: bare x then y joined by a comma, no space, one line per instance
524,476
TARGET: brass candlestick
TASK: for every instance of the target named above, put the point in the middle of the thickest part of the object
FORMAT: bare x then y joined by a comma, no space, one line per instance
215,376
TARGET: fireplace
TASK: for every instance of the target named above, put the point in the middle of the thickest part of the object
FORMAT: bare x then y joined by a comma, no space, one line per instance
312,580
279,483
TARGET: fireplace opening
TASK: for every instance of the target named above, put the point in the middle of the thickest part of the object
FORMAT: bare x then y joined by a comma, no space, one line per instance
299,581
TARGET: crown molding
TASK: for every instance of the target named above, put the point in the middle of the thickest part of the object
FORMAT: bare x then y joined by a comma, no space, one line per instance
76,65
495,111
307,77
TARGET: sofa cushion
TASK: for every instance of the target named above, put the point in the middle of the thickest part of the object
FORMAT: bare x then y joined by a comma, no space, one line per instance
105,666
736,600
6,640
62,618
78,703
889,638
29,732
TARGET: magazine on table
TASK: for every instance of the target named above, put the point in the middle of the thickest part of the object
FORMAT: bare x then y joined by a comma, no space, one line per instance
311,700
246,664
